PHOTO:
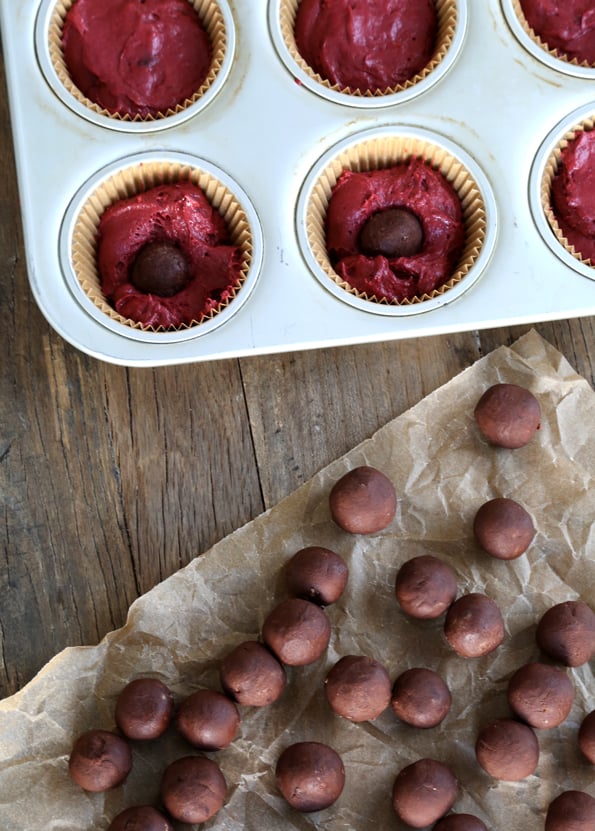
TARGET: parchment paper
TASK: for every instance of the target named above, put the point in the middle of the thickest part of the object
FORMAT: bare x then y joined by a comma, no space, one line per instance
443,471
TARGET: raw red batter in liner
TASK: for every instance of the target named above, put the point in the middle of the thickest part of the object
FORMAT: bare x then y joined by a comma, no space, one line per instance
565,25
573,194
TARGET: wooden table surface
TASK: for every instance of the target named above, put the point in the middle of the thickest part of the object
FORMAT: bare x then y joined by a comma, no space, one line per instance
112,478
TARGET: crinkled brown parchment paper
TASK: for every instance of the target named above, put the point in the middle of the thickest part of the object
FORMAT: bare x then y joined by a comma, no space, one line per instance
443,472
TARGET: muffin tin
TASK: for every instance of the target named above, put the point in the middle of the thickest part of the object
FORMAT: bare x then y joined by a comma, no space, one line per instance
492,102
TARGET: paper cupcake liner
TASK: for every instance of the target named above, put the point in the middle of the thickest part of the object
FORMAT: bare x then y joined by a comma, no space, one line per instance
452,18
534,38
382,151
217,22
80,229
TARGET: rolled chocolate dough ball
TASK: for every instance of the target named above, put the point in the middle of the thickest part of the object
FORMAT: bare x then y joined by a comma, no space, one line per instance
310,776
160,268
316,574
508,415
193,789
566,632
571,811
507,750
425,587
391,232
540,695
140,818
420,697
423,792
586,737
208,720
297,631
144,709
99,760
474,625
251,675
358,688
503,528
460,822
363,501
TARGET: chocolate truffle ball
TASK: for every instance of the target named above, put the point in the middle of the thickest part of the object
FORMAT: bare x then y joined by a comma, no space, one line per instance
420,697
251,675
358,688
363,501
208,720
140,818
193,789
310,776
144,708
391,232
474,625
541,695
566,632
316,574
99,760
425,587
297,631
160,268
586,737
571,811
508,415
460,822
507,750
423,792
503,528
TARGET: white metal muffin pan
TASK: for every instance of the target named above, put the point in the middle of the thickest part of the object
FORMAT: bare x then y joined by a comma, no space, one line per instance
267,131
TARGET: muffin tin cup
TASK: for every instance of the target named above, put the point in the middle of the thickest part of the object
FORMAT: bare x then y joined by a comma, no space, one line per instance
452,28
218,21
126,177
535,46
542,173
379,148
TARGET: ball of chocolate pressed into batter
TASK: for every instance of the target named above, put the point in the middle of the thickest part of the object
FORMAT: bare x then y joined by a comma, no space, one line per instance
316,574
363,501
420,697
425,587
251,675
507,749
566,632
540,695
99,760
423,792
474,625
586,737
310,776
508,415
391,232
160,268
297,631
140,818
193,789
571,811
144,708
460,822
503,528
208,720
358,688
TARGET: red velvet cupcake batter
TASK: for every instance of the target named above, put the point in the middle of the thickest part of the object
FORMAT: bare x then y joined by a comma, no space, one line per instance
136,57
414,185
565,25
573,194
366,45
178,213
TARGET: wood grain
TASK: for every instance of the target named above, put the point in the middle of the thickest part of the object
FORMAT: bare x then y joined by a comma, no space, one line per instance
113,478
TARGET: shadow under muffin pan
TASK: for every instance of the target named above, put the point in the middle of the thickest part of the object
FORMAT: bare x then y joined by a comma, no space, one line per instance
125,178
542,172
380,148
452,27
218,22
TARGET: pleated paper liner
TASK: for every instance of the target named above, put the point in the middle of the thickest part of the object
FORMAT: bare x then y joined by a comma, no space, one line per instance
125,179
452,25
217,20
382,148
